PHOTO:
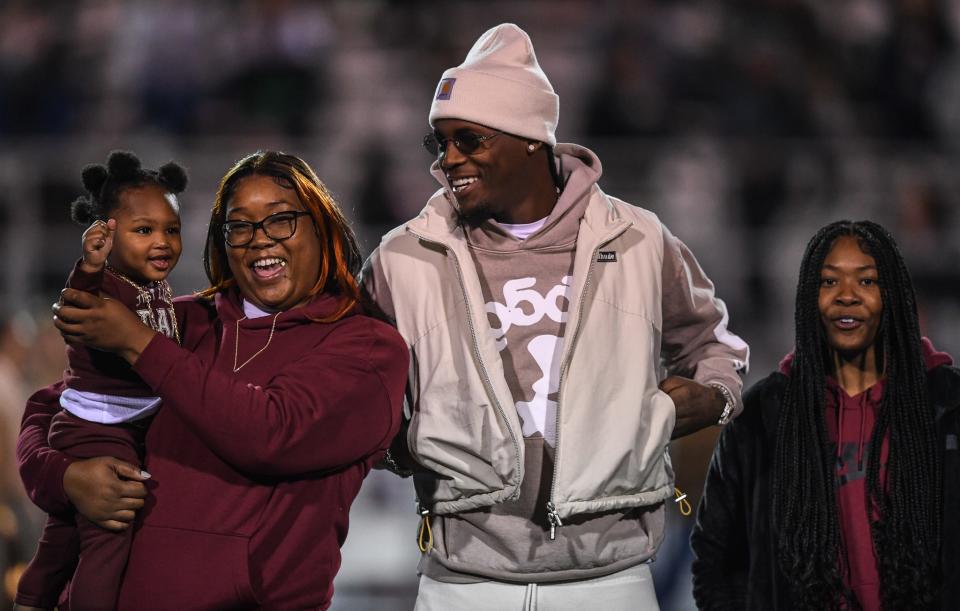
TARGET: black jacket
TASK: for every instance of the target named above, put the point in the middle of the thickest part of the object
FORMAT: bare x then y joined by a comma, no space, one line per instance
735,564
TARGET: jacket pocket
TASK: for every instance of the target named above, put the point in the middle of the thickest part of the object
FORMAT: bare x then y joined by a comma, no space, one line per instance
671,415
660,419
172,568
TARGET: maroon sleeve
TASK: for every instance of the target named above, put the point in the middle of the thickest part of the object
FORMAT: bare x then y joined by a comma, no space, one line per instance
195,318
337,404
42,468
85,281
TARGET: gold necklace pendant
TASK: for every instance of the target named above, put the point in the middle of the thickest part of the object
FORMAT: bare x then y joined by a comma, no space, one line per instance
144,297
236,345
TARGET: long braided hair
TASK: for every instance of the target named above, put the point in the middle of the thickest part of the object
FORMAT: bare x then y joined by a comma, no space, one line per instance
906,531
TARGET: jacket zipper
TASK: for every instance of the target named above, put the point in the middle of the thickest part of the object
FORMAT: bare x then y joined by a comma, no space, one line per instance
553,516
488,384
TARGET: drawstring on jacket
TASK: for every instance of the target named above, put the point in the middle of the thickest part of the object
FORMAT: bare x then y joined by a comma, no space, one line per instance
682,503
424,531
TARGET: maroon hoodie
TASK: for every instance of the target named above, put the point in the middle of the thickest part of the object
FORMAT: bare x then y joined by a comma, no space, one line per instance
855,421
253,472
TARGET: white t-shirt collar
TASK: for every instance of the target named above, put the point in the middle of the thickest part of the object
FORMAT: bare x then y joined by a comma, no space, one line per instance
522,231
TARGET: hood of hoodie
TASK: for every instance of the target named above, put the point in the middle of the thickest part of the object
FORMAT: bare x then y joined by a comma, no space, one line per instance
580,169
229,306
931,356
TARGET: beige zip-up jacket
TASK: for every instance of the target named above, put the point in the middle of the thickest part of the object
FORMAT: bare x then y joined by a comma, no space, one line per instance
614,423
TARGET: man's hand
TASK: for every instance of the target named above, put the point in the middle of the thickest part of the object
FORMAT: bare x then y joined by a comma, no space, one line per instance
698,406
97,242
106,490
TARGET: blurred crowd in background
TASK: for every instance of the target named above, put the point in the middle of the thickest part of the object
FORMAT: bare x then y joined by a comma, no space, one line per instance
746,125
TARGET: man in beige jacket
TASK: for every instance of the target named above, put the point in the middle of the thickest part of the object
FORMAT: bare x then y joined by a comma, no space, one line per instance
541,314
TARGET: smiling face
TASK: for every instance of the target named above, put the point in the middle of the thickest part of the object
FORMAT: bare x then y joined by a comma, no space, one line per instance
146,243
273,275
850,301
493,181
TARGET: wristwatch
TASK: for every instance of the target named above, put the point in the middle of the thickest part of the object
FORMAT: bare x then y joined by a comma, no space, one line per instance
727,414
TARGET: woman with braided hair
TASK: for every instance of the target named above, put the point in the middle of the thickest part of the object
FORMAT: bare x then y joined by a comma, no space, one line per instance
132,242
838,486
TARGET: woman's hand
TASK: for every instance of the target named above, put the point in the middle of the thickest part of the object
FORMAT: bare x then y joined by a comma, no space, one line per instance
104,324
106,490
97,242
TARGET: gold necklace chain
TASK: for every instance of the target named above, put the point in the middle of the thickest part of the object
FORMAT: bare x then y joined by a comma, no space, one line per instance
236,345
166,294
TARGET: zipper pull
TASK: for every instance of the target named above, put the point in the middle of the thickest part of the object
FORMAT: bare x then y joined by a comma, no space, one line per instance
554,518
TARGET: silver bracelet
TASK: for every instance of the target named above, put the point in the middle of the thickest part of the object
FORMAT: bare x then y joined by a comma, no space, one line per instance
727,414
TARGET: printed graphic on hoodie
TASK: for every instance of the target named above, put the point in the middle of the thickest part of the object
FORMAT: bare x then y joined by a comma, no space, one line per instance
528,329
150,308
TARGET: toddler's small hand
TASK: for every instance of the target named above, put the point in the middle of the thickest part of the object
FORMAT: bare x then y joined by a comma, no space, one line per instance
97,242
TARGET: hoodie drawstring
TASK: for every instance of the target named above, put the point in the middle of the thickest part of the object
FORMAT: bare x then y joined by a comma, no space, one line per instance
838,405
863,416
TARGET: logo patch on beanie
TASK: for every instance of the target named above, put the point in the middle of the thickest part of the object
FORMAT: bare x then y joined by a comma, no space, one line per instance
445,88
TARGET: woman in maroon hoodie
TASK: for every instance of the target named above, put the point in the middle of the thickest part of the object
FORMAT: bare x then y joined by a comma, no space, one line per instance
280,400
839,486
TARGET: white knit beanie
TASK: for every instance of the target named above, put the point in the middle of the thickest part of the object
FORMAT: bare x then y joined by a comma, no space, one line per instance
500,85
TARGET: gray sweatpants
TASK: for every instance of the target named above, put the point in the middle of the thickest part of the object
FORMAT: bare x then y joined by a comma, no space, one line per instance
627,590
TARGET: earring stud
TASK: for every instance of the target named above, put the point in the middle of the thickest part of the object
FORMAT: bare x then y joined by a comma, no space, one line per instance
531,147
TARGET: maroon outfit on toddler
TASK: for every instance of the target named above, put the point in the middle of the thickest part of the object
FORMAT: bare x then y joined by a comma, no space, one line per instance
106,411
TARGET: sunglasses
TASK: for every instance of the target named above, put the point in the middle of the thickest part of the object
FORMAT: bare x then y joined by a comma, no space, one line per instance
467,142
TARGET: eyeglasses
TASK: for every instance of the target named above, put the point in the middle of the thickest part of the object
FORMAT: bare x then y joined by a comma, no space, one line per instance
277,227
467,142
